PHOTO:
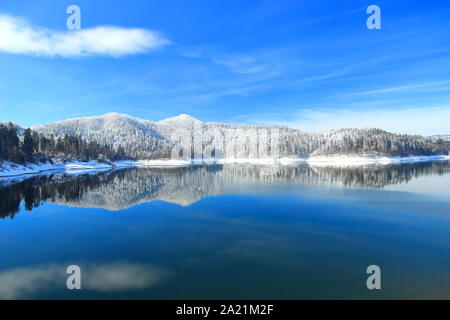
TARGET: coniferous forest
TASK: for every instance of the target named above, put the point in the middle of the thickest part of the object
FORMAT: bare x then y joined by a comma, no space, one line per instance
143,139
114,137
34,147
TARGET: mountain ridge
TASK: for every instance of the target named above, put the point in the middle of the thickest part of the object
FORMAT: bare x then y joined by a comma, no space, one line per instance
440,136
145,139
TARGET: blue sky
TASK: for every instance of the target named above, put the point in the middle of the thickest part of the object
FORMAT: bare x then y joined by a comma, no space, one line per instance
312,65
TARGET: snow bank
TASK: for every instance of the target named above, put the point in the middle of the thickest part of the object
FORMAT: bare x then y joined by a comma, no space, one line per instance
351,161
8,169
163,163
333,160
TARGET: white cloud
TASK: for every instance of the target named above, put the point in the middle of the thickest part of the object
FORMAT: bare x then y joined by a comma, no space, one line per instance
424,121
242,64
21,282
402,88
17,36
120,276
25,282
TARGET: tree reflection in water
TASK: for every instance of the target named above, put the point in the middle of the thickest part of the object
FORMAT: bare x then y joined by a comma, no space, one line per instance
120,189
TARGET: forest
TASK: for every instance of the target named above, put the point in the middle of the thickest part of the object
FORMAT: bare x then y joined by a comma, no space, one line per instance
117,137
143,139
34,147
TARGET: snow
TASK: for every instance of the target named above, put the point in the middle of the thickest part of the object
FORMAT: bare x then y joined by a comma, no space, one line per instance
8,169
357,161
351,161
156,163
138,137
334,160
143,139
183,118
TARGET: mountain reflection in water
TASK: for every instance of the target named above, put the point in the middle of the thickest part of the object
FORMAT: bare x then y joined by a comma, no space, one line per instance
121,189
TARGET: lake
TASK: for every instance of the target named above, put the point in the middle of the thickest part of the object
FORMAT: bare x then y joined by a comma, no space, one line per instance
228,232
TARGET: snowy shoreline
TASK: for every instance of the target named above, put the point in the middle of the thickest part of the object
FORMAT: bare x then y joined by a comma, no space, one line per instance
357,161
8,169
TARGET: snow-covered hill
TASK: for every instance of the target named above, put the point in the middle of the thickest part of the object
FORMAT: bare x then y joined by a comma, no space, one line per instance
186,137
139,137
445,137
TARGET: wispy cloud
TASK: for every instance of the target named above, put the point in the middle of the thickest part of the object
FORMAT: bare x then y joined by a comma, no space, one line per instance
401,88
269,59
242,64
18,36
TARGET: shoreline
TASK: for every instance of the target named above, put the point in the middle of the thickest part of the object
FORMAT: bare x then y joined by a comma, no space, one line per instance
11,170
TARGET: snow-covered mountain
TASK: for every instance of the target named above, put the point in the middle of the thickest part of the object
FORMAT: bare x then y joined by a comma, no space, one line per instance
139,137
186,137
445,137
20,130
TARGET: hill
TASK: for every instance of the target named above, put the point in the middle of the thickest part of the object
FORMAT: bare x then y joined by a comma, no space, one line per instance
186,137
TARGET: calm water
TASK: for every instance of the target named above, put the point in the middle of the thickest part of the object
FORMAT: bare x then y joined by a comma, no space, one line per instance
233,232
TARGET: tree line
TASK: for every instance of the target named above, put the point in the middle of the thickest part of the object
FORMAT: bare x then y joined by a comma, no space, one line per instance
32,147
36,190
367,142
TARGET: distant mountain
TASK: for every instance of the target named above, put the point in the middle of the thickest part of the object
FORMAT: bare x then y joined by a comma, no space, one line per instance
142,139
445,137
20,130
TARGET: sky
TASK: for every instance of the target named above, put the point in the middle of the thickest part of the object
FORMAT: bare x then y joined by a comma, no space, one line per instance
308,64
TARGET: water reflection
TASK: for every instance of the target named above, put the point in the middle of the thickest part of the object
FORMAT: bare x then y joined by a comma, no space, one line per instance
271,232
118,190
22,282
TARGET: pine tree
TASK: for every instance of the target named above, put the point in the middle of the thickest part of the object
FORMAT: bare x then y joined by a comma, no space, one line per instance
27,145
36,141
